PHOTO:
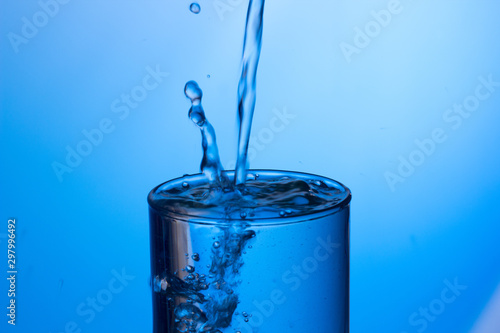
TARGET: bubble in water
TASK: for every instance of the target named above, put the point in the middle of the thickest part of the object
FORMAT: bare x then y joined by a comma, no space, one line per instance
244,314
288,211
185,184
208,76
189,269
216,244
195,8
195,256
282,213
243,215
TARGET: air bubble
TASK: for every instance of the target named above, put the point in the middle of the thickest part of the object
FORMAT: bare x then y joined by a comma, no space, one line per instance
288,211
282,213
185,184
195,257
243,215
195,8
216,244
189,269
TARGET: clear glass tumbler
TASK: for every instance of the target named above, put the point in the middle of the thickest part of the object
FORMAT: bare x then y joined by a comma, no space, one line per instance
282,274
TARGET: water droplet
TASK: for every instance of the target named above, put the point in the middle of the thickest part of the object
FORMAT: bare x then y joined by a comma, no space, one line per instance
216,244
282,213
185,184
189,269
246,320
190,277
243,215
193,91
195,8
244,314
195,256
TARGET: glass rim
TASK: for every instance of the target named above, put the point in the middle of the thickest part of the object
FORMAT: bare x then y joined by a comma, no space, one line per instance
254,221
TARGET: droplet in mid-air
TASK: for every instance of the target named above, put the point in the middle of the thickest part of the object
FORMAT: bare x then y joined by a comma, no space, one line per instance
195,8
193,91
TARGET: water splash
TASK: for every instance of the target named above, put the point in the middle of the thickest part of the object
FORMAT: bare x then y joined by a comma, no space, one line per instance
208,314
210,164
246,87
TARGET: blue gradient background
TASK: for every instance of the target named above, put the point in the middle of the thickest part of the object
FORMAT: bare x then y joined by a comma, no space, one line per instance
352,122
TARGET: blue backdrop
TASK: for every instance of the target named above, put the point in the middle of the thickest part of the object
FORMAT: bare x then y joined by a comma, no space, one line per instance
399,100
